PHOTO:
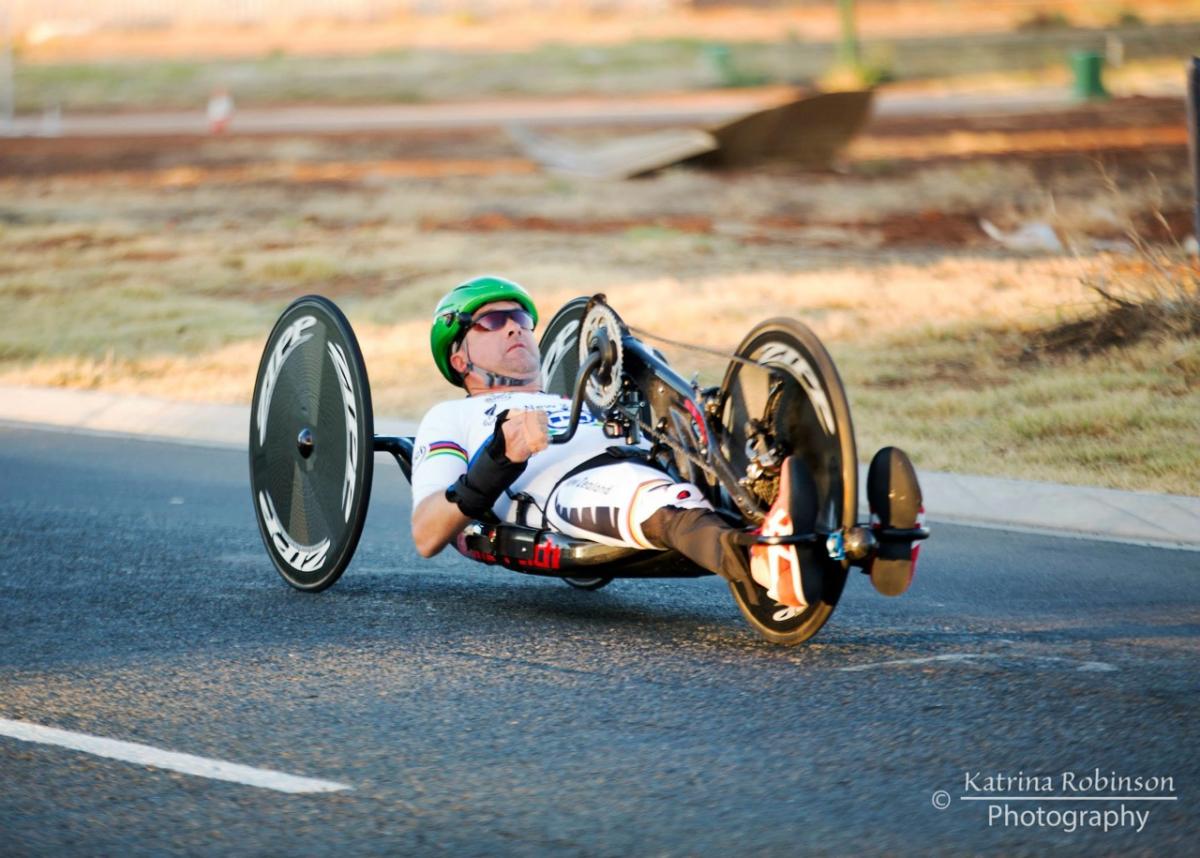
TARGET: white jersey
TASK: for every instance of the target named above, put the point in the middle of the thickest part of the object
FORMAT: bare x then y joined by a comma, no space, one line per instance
452,433
607,503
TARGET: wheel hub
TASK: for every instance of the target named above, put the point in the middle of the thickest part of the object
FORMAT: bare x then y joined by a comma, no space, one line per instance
306,442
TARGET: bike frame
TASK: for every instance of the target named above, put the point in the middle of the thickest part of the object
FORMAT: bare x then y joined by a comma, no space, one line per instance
687,420
687,416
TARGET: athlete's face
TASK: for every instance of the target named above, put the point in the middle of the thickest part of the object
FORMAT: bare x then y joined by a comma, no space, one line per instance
509,350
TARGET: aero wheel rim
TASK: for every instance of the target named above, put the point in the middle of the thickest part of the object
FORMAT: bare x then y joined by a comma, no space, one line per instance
796,393
311,444
789,396
559,347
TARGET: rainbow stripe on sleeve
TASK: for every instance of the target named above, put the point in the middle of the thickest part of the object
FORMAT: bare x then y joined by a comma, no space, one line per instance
447,448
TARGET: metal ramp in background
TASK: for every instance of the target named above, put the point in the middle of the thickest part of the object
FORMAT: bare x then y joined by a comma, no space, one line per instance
805,132
622,158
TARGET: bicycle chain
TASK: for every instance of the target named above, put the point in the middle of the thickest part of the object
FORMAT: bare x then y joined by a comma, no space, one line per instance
663,438
692,457
735,358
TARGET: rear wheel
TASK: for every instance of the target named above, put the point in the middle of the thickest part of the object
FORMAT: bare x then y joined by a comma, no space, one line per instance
311,444
791,403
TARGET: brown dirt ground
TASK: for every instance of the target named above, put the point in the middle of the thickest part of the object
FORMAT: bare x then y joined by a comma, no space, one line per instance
1139,131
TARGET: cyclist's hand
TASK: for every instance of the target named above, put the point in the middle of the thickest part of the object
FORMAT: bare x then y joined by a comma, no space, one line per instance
525,433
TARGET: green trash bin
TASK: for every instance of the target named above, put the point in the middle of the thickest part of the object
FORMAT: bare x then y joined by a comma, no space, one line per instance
721,60
1088,68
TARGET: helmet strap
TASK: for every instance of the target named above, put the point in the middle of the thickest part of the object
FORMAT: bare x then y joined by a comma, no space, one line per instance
494,379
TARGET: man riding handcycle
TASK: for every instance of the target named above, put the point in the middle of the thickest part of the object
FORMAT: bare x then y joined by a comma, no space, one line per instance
589,458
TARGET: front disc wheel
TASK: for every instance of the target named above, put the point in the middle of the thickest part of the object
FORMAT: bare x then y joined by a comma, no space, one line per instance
791,403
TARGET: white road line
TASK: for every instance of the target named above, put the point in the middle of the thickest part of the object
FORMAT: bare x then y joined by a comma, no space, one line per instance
950,656
1096,667
968,657
147,755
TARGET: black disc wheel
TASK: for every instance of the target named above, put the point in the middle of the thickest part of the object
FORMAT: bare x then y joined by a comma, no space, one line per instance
594,583
559,347
311,443
791,403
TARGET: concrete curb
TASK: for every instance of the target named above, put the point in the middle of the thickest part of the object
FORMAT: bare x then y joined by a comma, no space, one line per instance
1141,518
1144,518
202,424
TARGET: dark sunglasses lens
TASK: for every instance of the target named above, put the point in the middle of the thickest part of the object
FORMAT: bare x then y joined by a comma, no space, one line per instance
497,319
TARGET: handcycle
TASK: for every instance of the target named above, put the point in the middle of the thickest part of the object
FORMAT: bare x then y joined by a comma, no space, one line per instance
312,443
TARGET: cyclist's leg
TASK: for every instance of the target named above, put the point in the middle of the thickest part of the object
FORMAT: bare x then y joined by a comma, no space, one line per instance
707,540
632,503
609,503
701,536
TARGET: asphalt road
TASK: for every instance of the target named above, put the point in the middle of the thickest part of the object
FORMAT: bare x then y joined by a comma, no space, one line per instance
480,712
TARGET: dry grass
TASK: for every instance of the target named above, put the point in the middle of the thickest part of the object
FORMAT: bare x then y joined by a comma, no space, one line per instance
550,51
518,26
1125,419
169,290
1152,291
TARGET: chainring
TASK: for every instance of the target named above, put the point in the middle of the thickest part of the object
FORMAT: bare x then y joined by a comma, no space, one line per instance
602,328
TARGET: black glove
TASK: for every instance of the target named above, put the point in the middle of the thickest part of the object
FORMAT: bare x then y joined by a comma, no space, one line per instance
490,473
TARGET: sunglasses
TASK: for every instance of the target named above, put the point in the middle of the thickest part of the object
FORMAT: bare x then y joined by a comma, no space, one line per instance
495,320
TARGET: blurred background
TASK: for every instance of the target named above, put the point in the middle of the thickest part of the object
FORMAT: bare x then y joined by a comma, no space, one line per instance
984,208
76,54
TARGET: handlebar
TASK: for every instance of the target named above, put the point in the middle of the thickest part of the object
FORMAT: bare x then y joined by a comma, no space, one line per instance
589,366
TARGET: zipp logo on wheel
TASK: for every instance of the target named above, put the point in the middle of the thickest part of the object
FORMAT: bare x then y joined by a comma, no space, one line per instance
306,558
347,387
292,339
553,353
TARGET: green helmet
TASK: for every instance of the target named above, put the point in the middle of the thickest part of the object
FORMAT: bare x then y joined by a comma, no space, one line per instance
449,323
